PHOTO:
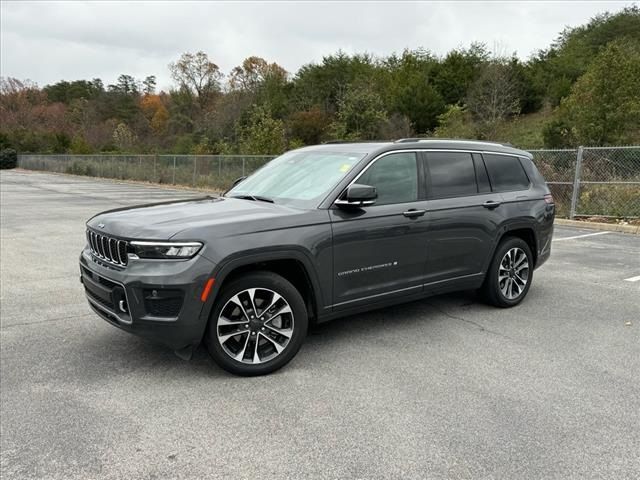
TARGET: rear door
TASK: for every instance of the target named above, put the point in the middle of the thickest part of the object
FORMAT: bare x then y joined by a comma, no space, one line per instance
463,215
380,250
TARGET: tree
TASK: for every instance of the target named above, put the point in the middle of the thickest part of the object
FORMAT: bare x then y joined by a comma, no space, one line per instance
195,73
604,105
263,83
126,85
456,122
263,135
149,85
309,125
67,92
554,70
325,84
360,115
254,73
494,96
123,137
155,112
410,88
458,70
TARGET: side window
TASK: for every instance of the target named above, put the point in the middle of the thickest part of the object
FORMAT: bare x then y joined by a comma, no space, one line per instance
450,174
505,172
395,176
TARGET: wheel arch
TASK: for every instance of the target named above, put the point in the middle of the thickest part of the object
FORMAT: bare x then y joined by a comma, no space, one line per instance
291,264
523,231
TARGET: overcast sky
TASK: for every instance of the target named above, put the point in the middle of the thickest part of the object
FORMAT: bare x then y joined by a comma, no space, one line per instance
50,41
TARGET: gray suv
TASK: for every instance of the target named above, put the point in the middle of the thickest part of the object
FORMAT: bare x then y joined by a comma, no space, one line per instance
318,233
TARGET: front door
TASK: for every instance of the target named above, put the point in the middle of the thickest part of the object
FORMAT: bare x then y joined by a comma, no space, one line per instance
379,251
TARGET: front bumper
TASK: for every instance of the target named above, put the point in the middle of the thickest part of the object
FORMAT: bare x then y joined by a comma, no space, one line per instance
155,299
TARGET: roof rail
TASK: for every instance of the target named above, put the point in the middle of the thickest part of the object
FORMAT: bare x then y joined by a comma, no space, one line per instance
329,142
459,140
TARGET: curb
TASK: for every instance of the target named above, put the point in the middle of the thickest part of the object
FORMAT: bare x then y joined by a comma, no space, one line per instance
610,227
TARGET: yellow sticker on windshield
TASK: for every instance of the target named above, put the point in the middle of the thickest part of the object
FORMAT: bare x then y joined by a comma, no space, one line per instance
345,168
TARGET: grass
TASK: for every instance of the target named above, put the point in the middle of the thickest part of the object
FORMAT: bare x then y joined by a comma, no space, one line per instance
525,131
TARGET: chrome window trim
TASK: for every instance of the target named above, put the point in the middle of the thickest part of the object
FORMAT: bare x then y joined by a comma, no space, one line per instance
425,150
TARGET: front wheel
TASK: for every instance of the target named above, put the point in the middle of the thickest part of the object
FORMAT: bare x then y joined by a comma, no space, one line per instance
510,273
257,325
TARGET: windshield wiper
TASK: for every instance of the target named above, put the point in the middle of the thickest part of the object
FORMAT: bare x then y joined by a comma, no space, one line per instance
253,197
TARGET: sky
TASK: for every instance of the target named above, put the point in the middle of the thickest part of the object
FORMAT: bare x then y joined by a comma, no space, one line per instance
50,41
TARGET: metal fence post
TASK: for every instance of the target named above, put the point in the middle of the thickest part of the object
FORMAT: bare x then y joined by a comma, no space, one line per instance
195,163
174,169
243,166
575,195
155,159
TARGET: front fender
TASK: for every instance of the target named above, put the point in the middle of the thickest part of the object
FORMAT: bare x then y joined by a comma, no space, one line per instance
258,255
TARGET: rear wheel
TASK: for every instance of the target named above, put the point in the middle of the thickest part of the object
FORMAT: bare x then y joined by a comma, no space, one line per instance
510,273
257,325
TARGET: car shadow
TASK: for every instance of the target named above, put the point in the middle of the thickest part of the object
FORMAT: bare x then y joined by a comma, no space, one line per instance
120,353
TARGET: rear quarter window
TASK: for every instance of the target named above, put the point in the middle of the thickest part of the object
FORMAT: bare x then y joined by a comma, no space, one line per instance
505,172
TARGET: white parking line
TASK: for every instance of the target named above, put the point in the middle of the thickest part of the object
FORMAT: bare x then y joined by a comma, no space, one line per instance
580,236
632,279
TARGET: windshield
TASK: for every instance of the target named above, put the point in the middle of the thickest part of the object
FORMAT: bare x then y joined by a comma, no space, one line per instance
298,178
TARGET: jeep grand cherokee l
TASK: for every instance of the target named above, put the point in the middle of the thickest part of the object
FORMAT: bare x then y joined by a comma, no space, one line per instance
318,233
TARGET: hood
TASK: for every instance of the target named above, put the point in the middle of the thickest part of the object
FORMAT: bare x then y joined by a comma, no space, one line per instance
161,221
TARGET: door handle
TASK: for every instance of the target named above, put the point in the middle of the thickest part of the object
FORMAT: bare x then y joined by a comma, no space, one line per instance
491,204
414,213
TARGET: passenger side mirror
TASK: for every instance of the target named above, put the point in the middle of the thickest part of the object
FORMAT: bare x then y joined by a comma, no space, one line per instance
358,195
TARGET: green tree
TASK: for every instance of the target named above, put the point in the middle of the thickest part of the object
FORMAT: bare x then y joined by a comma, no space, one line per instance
360,115
326,83
411,90
149,85
553,71
456,122
457,71
263,134
604,105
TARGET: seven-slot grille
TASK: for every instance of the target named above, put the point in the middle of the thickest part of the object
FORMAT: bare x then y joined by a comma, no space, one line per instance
107,248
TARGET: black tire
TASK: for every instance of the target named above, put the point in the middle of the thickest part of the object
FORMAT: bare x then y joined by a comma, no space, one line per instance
492,290
298,323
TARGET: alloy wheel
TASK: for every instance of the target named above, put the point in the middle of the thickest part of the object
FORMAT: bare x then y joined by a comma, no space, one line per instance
513,273
255,325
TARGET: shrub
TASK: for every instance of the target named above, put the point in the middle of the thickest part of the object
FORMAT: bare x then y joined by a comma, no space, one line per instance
8,158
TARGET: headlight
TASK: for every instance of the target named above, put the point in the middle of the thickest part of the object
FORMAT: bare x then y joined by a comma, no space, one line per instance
166,250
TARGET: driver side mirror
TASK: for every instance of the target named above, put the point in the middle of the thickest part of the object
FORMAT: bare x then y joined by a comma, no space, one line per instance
358,195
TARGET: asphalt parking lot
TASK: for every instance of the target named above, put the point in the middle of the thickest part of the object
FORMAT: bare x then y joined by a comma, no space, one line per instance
441,388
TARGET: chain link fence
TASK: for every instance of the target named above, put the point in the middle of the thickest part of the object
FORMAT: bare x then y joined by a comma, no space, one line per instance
216,172
594,181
